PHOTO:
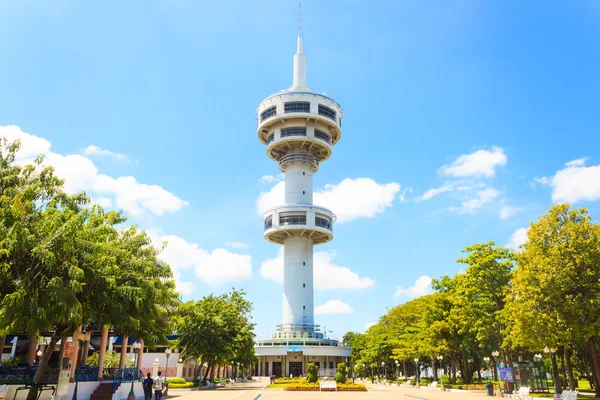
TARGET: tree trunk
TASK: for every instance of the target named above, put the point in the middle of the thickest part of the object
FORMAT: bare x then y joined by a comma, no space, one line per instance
434,367
124,344
2,340
595,364
453,368
555,373
43,365
464,371
569,368
404,369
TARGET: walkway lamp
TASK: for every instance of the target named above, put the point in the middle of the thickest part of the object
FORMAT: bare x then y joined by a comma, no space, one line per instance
551,351
495,354
167,353
416,360
440,358
383,368
136,347
397,366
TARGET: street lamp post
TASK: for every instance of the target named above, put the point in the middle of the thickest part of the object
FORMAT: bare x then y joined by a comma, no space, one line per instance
551,351
136,347
397,366
495,354
440,358
167,353
383,369
416,360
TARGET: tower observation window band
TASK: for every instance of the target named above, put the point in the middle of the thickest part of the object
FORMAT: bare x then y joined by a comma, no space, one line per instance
268,113
293,131
296,106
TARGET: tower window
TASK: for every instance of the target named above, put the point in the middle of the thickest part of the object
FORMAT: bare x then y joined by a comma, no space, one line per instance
303,192
271,138
304,285
327,112
323,221
268,113
296,106
294,131
304,307
292,219
268,223
322,135
303,262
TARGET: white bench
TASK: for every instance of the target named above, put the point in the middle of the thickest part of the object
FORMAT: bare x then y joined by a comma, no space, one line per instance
327,385
3,391
432,385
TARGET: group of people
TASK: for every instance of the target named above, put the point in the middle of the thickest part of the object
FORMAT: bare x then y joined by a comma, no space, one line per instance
159,386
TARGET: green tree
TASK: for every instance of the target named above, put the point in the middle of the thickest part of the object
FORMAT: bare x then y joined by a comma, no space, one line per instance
556,290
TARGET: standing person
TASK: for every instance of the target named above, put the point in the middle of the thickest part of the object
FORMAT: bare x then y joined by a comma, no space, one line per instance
147,385
159,385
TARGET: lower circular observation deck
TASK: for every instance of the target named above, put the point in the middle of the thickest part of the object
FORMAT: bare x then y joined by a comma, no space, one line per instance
299,220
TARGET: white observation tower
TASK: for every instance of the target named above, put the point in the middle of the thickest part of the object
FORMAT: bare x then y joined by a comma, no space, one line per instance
299,128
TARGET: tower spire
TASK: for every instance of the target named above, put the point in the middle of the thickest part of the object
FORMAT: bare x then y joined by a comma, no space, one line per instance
299,58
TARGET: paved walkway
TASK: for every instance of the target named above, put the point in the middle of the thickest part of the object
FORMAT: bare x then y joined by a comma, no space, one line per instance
255,391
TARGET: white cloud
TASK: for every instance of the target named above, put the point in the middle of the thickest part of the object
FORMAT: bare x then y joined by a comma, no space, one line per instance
518,238
93,150
80,174
271,178
237,245
577,163
327,276
369,324
215,268
473,204
104,202
349,200
481,163
506,212
407,190
333,307
575,183
421,287
446,187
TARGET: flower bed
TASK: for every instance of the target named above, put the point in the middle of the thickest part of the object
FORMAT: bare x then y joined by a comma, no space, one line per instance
341,387
185,385
302,386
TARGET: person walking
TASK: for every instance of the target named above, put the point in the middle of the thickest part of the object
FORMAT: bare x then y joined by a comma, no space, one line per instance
147,385
159,386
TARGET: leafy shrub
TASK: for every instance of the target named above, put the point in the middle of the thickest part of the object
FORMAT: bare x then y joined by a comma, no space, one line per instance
351,386
446,380
313,373
175,380
216,380
459,387
340,376
203,383
424,382
401,381
413,381
185,385
288,380
459,381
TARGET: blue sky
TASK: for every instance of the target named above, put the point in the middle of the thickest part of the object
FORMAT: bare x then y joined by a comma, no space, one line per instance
470,109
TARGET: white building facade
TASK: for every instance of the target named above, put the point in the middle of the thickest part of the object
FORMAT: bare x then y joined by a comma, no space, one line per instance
299,128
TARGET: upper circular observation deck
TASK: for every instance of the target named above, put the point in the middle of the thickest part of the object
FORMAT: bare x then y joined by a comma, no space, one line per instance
299,122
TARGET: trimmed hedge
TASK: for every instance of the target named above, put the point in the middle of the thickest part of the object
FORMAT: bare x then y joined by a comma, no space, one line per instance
185,385
424,382
176,380
289,380
351,387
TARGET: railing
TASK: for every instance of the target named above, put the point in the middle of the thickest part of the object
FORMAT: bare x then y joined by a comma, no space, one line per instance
86,374
26,375
108,374
126,375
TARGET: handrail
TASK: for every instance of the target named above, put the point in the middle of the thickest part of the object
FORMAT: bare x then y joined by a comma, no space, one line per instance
126,375
26,375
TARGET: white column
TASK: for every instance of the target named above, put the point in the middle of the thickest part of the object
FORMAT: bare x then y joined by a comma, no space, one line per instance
298,281
179,370
14,346
155,367
298,184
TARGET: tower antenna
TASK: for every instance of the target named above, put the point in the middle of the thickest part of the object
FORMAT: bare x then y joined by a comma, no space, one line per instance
299,17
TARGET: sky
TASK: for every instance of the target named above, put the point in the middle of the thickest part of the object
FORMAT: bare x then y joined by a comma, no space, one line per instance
464,121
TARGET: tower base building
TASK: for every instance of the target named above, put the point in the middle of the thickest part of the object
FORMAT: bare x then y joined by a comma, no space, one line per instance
299,128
